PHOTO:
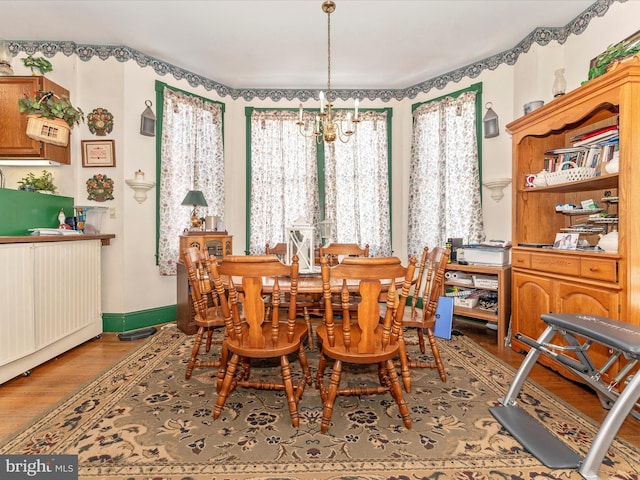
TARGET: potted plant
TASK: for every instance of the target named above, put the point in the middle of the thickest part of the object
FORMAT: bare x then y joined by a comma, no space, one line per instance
51,106
41,64
43,183
51,117
612,54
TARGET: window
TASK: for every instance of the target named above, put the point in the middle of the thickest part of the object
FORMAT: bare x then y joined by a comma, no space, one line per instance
191,158
444,178
291,177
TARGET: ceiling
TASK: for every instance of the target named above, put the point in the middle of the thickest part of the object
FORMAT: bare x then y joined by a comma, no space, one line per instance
283,43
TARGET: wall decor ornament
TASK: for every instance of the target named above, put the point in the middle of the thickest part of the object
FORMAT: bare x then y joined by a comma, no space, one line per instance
148,121
100,188
100,121
98,153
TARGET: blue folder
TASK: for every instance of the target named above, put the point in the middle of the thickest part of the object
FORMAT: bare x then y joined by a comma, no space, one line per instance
444,318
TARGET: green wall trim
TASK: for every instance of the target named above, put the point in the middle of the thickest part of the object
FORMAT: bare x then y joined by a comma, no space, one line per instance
123,322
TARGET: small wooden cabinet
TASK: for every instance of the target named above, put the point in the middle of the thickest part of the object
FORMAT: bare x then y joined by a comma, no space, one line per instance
502,276
14,143
219,245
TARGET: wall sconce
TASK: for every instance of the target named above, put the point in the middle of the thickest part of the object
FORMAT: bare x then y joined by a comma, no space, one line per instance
148,121
195,198
490,122
140,186
497,186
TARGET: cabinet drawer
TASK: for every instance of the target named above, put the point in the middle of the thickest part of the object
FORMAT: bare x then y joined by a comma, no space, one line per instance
599,269
560,264
521,259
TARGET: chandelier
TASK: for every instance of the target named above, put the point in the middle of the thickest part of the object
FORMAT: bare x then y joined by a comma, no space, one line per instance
326,127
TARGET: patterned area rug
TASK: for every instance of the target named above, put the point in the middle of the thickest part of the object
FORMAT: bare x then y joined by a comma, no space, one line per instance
142,420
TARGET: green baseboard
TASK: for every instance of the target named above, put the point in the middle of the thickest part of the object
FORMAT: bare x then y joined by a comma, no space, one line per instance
123,322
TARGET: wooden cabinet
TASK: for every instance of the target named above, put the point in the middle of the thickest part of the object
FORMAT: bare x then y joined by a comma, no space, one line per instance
577,281
218,244
48,304
502,275
14,143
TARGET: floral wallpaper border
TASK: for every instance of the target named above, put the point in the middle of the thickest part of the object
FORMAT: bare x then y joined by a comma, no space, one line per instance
541,36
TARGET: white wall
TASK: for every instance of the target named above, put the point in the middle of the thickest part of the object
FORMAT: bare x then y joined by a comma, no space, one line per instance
131,281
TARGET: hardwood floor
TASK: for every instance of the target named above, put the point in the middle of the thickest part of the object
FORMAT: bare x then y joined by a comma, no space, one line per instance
24,399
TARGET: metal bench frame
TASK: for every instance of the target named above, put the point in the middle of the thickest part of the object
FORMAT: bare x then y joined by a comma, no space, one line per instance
622,339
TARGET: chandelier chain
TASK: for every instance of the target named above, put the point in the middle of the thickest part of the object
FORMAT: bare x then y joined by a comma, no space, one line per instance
327,128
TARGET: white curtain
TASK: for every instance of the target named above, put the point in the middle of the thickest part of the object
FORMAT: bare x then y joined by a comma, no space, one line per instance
444,179
284,177
192,158
357,185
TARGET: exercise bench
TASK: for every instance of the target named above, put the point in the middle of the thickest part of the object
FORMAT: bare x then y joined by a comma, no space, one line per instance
622,339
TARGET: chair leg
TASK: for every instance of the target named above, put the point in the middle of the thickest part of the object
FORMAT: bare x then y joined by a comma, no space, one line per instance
304,363
288,388
332,393
423,347
396,392
226,385
307,320
322,364
436,354
194,353
224,359
404,364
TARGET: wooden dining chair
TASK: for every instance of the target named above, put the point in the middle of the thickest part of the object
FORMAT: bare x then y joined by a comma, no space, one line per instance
421,314
336,250
251,334
206,305
279,250
305,302
361,337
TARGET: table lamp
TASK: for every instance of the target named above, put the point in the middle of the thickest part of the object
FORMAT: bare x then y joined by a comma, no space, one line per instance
195,198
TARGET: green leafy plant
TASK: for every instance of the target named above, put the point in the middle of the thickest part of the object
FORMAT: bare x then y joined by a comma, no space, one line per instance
51,106
40,64
611,54
43,182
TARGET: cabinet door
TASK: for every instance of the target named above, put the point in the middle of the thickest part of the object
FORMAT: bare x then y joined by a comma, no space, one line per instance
14,142
17,337
579,298
531,297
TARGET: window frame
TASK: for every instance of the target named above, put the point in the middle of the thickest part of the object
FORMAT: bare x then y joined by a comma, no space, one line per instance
320,162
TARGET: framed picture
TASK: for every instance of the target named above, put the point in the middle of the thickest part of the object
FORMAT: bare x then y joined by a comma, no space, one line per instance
98,153
566,241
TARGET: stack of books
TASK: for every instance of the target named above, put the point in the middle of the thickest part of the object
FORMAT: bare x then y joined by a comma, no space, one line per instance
589,149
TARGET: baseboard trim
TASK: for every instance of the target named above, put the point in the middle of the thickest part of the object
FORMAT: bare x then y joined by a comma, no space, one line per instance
123,322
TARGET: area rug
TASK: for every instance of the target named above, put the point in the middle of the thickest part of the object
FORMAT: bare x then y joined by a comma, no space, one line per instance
143,420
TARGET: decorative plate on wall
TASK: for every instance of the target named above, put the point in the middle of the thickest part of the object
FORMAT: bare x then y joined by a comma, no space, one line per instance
100,121
100,188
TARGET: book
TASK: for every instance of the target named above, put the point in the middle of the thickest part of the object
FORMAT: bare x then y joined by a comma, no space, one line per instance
444,318
592,133
605,135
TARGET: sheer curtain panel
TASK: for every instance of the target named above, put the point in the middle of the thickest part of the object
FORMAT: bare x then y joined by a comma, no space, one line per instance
444,178
192,158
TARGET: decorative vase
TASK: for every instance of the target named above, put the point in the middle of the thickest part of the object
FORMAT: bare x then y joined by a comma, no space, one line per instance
559,84
609,242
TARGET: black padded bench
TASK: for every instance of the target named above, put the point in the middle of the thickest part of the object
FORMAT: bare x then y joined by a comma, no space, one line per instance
622,339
